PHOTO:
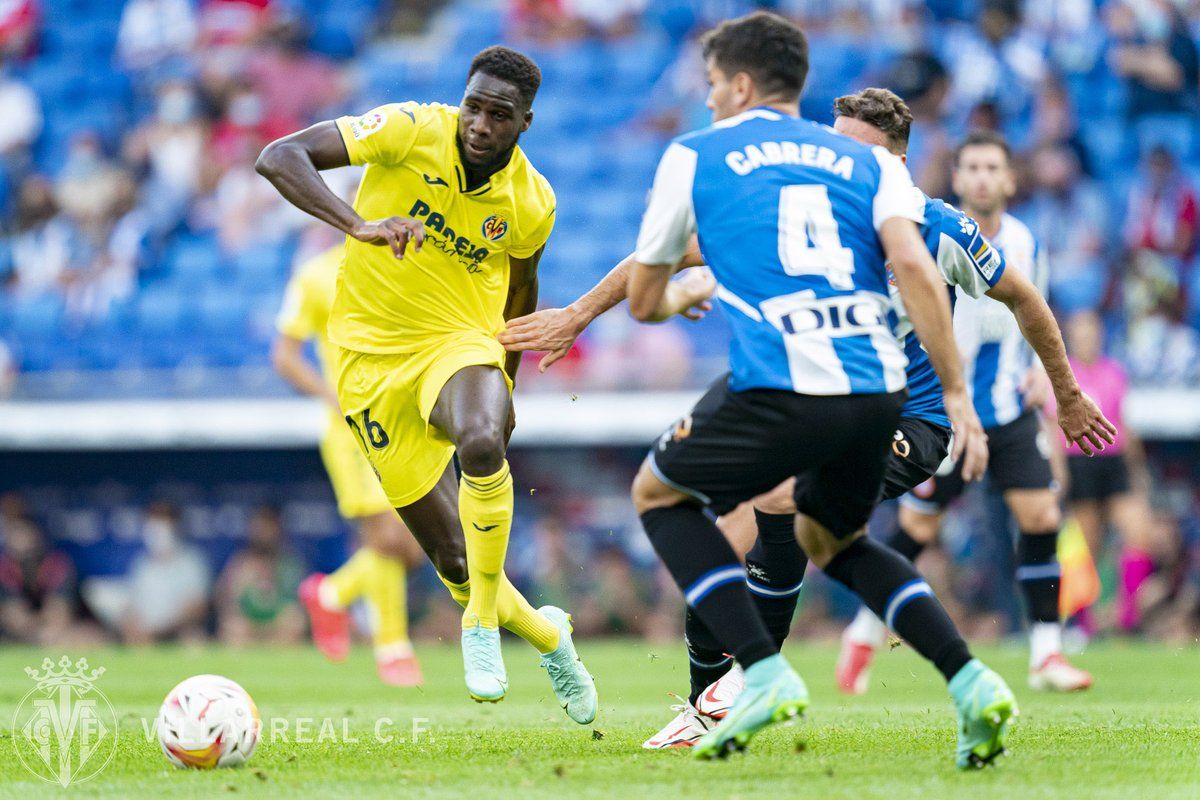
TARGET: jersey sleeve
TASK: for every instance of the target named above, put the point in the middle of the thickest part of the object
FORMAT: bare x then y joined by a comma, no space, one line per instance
541,212
670,219
965,257
383,135
296,318
895,196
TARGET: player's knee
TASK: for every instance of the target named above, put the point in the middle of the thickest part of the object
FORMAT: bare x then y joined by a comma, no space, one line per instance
481,450
920,527
819,544
1045,517
649,492
451,564
779,500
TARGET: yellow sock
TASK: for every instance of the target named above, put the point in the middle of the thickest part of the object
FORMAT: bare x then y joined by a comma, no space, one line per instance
517,615
386,593
346,584
485,507
461,592
514,613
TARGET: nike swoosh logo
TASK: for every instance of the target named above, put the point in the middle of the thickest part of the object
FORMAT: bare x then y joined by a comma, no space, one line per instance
434,181
486,529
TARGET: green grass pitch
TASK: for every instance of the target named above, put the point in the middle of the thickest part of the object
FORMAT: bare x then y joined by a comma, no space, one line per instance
1136,734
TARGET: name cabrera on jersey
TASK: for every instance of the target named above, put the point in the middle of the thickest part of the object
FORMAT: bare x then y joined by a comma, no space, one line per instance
788,213
995,353
965,259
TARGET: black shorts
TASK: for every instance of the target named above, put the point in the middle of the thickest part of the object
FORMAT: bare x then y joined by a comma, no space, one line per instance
1097,478
1019,458
918,448
734,446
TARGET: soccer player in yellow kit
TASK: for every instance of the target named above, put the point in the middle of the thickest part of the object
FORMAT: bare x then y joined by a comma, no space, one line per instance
376,572
442,246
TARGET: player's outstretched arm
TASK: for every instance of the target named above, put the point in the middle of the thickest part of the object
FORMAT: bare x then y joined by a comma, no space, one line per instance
924,294
1078,415
287,356
554,330
293,165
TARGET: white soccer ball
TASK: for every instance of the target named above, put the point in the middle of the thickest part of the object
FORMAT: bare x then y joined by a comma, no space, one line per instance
208,721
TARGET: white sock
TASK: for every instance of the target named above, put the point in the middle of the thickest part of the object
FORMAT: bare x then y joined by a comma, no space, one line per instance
1045,639
867,629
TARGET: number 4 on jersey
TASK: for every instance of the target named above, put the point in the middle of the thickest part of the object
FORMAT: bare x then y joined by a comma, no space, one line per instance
809,242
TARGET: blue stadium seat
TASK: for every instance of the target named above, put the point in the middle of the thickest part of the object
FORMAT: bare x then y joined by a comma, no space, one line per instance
160,314
37,318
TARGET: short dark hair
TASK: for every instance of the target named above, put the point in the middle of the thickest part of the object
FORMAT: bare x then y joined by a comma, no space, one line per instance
882,109
768,48
509,66
980,139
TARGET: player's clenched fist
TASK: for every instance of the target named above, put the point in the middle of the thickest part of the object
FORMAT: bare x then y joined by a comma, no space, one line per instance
395,232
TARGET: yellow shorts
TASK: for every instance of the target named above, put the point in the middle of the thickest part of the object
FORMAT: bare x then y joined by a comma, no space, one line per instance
390,396
355,484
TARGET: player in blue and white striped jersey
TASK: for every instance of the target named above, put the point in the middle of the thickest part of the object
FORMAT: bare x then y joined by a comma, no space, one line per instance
1002,369
796,224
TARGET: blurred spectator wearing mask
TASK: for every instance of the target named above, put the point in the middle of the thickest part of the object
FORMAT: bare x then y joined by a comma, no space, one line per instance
21,111
169,147
153,36
1113,486
256,601
99,199
1067,213
168,584
1154,52
39,250
1160,241
995,61
294,84
37,586
1162,216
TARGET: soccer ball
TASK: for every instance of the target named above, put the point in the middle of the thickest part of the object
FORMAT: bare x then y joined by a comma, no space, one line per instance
208,721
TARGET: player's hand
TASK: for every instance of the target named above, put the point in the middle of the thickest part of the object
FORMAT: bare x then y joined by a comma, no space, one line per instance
551,330
690,296
395,232
1084,424
1035,387
970,442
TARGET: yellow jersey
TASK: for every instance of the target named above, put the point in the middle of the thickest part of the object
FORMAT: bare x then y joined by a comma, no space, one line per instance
459,281
306,303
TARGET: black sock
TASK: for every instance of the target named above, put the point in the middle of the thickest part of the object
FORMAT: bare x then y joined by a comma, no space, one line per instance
892,588
904,544
707,660
1039,574
774,572
711,579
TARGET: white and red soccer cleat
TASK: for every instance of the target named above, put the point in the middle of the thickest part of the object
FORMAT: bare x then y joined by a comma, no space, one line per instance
397,665
1056,674
685,730
862,638
717,699
330,629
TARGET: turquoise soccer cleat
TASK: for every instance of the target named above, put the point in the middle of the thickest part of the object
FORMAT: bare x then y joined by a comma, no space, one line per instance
487,681
573,684
774,693
985,707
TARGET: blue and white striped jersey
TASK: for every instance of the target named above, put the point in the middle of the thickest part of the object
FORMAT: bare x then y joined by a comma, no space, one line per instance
995,354
965,259
788,212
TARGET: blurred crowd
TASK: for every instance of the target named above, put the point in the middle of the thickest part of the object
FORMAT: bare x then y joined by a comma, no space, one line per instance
147,560
106,176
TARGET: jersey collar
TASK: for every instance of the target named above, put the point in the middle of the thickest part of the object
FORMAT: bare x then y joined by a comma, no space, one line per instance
460,172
